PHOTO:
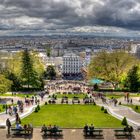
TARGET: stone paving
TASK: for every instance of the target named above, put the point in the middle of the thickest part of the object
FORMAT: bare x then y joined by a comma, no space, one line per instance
68,134
27,110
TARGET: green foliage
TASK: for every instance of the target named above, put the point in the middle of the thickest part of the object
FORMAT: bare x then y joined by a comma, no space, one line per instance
29,76
38,107
96,87
5,84
16,83
102,108
133,80
105,111
50,73
124,121
48,52
136,107
36,110
111,67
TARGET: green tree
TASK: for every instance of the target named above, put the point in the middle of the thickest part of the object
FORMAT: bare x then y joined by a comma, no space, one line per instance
48,52
133,79
16,83
50,73
30,77
5,84
111,67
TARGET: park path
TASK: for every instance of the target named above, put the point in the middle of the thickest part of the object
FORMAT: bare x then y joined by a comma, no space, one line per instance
120,111
27,110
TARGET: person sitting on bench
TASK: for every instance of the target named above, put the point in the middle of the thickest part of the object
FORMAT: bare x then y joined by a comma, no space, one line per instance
29,128
91,128
86,129
43,128
18,126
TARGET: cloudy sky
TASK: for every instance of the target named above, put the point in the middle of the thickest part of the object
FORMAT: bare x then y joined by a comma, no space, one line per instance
55,16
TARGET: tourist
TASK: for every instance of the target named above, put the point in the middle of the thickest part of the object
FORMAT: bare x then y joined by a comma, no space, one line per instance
86,129
6,108
43,128
18,126
50,127
8,124
91,127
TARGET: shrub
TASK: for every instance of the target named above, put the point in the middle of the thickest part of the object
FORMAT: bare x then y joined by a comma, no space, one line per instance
38,107
136,107
105,111
102,108
3,106
36,110
46,103
94,103
124,121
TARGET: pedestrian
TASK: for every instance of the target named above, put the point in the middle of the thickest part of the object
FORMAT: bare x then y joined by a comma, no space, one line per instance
8,124
6,108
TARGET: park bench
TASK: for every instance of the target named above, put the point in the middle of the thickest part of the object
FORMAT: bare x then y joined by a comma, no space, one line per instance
52,101
52,132
75,100
22,131
64,100
122,133
94,132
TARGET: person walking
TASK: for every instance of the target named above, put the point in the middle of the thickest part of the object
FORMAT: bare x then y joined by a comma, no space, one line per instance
8,124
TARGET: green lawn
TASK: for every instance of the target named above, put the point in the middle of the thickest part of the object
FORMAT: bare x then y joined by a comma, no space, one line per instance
72,116
17,95
81,96
119,95
1,108
133,107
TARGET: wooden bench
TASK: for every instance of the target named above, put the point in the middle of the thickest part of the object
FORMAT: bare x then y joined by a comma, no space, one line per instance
51,132
22,131
122,132
94,132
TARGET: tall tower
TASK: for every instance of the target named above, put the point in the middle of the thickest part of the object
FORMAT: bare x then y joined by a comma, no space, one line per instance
87,57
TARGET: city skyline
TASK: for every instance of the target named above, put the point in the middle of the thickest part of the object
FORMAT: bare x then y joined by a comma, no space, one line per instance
42,17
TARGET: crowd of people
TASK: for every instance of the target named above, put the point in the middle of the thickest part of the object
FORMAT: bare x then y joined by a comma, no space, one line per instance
49,127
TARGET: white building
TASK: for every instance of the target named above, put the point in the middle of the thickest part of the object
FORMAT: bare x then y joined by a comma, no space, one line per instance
71,64
135,49
87,57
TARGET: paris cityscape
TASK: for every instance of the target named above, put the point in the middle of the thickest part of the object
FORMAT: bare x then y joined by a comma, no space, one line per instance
70,69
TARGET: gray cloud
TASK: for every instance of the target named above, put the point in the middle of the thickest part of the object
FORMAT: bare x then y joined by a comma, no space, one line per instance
68,14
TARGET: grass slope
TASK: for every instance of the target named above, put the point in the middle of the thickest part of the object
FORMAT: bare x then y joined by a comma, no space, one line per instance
72,116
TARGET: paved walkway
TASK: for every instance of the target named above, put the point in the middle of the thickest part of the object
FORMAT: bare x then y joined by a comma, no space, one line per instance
123,111
27,110
68,134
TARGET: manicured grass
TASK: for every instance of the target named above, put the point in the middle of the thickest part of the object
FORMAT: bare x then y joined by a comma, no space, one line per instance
114,96
121,95
134,107
1,108
17,95
72,116
81,96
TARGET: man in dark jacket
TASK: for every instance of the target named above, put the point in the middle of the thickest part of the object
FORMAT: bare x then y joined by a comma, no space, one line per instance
8,124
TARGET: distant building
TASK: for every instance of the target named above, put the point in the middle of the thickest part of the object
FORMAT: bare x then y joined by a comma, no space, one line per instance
87,57
135,49
71,64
